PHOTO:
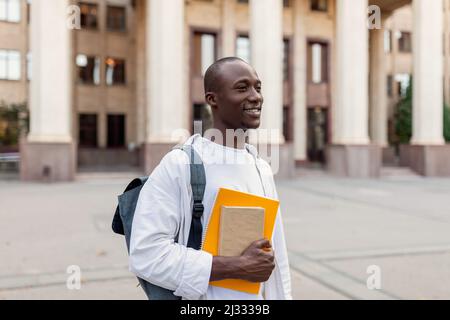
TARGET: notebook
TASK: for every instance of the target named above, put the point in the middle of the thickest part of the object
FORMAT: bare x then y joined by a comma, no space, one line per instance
239,228
232,198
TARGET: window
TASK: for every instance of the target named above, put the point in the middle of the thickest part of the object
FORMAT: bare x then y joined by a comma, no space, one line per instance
88,130
204,52
116,131
402,80
10,65
10,10
286,3
389,85
287,123
404,42
89,14
387,41
317,62
29,66
243,48
203,113
116,18
115,71
88,69
286,56
319,5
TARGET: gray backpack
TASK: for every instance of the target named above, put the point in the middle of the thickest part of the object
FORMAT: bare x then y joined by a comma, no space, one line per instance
123,217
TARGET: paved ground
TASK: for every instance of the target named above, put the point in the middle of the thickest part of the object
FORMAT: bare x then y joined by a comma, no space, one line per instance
336,229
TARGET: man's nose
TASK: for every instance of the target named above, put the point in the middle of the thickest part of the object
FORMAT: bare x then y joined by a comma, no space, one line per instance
255,96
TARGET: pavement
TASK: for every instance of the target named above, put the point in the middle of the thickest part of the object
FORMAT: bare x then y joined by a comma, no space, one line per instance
338,231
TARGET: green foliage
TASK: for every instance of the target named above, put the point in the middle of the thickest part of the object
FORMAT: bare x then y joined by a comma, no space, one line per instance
447,123
403,119
13,122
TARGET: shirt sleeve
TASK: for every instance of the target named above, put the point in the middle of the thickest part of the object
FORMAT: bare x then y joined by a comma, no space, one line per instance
154,254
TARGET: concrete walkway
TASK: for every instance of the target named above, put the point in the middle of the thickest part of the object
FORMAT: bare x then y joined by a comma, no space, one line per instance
335,228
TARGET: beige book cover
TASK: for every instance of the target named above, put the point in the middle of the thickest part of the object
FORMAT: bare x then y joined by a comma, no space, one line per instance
239,228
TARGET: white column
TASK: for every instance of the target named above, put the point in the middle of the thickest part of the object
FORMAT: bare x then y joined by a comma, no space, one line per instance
350,125
165,65
378,88
300,75
266,36
228,28
428,73
50,88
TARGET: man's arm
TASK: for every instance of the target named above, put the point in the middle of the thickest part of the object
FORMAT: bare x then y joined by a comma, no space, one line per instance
255,265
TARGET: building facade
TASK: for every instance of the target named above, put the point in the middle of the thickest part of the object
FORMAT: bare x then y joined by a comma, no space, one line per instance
112,92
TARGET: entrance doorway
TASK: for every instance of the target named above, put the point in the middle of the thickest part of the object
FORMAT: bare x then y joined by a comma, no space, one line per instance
317,134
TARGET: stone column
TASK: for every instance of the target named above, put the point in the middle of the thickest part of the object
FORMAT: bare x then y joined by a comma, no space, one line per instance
49,151
428,73
428,155
378,88
350,153
228,29
300,81
166,102
266,36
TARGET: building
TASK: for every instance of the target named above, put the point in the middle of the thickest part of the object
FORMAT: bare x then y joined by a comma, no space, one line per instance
113,92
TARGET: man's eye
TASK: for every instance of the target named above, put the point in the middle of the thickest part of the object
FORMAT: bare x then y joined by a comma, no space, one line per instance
242,88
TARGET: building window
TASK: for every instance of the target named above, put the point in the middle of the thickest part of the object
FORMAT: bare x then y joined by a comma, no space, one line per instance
10,10
10,65
404,42
29,66
115,71
286,3
317,63
116,131
243,48
88,69
203,113
387,41
88,130
204,52
89,14
389,85
286,58
116,18
402,80
319,5
287,132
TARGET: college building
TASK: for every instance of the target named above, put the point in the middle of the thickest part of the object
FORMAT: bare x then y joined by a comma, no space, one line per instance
112,92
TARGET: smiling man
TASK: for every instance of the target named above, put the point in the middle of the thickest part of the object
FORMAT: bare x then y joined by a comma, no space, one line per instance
164,209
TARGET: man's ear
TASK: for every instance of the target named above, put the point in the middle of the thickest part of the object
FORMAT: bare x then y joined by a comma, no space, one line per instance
211,99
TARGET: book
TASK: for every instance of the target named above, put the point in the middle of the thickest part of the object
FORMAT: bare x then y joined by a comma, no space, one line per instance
232,198
239,228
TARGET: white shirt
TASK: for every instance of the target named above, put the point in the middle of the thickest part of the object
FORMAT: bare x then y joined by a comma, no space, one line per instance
164,209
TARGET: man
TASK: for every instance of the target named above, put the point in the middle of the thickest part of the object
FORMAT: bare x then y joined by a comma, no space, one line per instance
164,209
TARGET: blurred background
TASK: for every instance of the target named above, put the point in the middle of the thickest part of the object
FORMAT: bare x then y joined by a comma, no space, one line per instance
91,93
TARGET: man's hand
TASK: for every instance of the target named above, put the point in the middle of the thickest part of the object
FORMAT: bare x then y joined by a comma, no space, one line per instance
258,261
256,264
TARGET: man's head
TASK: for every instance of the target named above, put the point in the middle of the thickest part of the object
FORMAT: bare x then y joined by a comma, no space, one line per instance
233,90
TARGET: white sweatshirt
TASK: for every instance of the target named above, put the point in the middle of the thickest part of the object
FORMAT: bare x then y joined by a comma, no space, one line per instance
164,210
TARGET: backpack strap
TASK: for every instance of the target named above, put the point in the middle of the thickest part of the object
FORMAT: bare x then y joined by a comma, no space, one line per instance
198,184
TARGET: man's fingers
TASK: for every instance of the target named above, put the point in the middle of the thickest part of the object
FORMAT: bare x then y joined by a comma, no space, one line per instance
263,243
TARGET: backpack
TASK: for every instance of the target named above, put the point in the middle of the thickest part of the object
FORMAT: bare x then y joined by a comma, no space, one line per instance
123,217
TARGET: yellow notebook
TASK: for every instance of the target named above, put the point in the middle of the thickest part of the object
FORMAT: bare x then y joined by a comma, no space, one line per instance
231,198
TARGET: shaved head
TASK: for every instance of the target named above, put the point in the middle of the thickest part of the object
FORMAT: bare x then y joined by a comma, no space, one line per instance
213,73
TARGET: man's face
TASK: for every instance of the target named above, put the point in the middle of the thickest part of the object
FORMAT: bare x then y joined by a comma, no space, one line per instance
239,99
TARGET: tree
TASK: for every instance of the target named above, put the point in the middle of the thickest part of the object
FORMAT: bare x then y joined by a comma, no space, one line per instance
403,118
